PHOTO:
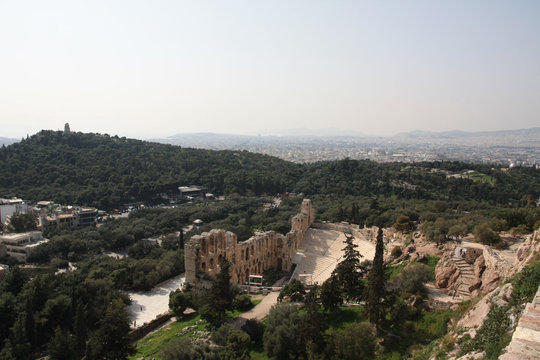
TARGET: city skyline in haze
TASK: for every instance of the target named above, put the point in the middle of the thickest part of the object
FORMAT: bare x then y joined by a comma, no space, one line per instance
148,70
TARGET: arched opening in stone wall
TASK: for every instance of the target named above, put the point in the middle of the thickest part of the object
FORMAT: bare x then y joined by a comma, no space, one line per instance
279,263
211,264
212,245
203,267
203,246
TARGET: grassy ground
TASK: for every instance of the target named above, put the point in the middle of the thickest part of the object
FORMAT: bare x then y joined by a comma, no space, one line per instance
151,345
476,176
346,315
257,352
392,271
432,263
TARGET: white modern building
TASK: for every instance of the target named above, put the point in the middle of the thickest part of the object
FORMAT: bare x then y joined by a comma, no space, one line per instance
20,245
8,207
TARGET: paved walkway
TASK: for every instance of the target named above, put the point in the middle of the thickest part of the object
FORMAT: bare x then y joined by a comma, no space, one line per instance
260,311
146,306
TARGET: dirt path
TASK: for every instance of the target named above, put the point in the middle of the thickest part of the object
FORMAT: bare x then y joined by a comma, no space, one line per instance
260,311
439,295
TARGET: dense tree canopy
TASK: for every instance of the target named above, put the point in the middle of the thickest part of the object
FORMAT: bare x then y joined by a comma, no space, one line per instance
105,171
108,171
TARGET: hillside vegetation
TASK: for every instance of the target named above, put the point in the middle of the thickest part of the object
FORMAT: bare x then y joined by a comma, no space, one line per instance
105,171
108,171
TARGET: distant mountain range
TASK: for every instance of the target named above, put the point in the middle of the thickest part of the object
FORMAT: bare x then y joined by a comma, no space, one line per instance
188,139
457,134
326,132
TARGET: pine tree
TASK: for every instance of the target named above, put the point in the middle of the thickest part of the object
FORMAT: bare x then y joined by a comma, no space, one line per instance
220,297
79,328
348,272
377,283
111,340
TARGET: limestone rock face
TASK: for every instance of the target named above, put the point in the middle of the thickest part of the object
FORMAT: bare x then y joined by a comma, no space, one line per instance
479,266
410,249
526,252
475,285
523,250
475,317
473,356
490,279
445,271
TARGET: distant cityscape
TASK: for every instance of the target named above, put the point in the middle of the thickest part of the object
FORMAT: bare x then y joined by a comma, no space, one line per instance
511,148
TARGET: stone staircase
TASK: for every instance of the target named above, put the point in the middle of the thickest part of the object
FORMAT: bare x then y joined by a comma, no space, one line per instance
466,277
322,250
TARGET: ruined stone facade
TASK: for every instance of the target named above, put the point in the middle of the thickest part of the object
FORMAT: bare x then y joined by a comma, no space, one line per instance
268,250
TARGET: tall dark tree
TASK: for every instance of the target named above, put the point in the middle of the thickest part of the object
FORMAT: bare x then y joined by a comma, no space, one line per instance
221,296
312,324
22,222
281,336
221,289
293,291
111,340
356,341
349,272
331,296
181,239
14,281
80,329
377,284
62,345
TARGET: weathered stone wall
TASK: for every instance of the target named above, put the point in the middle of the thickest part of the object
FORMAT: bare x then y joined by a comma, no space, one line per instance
146,328
369,233
264,251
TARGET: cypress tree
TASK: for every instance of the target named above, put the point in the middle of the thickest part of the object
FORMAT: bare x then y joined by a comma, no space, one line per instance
181,239
377,284
348,271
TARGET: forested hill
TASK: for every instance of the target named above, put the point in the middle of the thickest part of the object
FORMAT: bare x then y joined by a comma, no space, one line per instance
105,171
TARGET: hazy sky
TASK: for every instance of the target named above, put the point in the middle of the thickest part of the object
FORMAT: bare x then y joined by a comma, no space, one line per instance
155,68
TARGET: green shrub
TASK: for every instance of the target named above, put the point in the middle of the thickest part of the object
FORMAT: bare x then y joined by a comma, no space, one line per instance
396,252
492,335
242,302
222,333
526,283
412,278
356,341
434,324
254,329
